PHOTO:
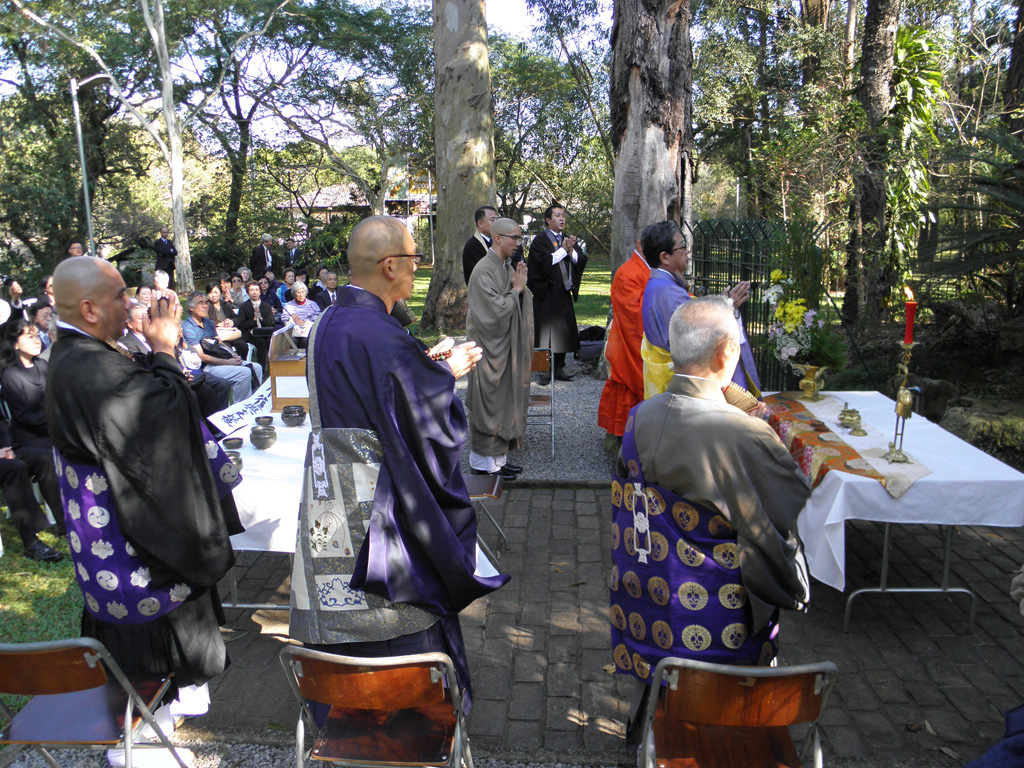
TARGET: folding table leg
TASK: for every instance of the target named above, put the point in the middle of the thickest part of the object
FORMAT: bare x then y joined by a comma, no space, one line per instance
883,581
504,538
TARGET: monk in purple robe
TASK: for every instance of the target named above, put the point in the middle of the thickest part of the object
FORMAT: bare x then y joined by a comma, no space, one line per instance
369,374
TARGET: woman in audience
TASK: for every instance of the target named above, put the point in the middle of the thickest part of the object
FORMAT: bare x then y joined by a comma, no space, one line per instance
223,316
302,312
237,294
144,295
22,386
284,290
252,315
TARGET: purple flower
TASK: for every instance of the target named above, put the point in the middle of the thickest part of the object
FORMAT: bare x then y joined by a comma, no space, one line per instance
809,317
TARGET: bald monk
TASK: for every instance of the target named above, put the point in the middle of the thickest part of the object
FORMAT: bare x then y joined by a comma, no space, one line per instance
500,320
148,511
386,549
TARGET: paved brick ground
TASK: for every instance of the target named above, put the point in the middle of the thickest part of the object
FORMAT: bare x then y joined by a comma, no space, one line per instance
915,687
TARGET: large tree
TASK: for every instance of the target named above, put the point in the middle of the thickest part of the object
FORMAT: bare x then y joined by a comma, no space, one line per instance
463,148
866,249
652,116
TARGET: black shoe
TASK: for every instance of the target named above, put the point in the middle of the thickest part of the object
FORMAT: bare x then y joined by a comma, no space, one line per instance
545,379
514,468
504,473
561,375
36,550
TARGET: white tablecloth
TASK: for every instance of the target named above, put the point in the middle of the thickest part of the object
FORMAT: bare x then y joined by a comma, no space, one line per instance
966,487
271,488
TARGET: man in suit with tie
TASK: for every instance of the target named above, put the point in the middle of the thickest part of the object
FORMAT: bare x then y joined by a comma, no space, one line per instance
262,259
291,253
166,254
476,247
555,267
328,297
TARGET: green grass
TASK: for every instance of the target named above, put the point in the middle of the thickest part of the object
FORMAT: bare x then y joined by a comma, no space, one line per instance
38,601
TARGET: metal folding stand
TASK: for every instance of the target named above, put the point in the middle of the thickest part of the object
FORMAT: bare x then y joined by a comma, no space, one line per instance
233,590
884,588
482,487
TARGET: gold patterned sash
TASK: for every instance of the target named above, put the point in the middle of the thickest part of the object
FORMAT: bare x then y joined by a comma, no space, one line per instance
816,448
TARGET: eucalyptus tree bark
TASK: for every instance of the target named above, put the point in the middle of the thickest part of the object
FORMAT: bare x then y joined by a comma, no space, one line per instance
464,149
849,43
865,252
652,118
1014,99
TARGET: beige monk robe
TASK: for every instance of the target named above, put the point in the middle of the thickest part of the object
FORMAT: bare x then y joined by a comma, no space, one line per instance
500,320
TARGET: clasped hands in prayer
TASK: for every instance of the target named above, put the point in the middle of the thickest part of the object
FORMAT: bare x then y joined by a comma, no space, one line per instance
463,357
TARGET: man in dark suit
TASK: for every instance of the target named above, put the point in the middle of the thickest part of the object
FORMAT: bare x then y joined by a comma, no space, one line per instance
262,259
476,247
328,297
555,268
291,253
252,315
166,253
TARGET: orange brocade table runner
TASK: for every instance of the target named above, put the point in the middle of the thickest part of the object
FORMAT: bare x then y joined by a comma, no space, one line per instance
816,448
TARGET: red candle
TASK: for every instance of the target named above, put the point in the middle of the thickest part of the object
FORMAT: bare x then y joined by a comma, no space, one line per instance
908,337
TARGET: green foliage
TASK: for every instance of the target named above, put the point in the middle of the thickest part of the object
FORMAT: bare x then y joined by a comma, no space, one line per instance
917,90
795,250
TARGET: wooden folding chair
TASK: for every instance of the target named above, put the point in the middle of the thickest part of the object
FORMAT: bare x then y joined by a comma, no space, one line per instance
543,362
81,699
398,710
719,716
482,487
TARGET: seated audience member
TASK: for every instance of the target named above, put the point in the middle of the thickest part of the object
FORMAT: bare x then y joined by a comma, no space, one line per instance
134,341
320,284
46,291
246,274
26,514
302,312
23,386
224,280
198,326
328,297
272,280
12,293
41,316
144,295
254,316
237,295
269,295
284,290
161,280
213,394
721,554
223,315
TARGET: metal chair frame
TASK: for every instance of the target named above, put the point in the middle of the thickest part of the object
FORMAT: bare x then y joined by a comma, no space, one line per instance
674,670
443,673
94,656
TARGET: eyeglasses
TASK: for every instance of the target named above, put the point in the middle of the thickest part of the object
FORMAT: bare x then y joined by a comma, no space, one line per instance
514,238
417,258
681,248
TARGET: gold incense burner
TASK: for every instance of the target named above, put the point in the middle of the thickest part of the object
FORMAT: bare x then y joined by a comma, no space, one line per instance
849,418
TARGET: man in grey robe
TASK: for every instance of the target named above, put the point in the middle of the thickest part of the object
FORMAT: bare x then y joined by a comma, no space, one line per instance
500,321
691,443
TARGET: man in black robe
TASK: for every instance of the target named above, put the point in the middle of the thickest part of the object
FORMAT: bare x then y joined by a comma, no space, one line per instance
555,268
142,427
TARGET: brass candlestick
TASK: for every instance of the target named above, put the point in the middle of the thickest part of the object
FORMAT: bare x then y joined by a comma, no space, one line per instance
904,409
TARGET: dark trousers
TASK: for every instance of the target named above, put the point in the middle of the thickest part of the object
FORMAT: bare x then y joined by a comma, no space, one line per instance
43,470
16,484
559,361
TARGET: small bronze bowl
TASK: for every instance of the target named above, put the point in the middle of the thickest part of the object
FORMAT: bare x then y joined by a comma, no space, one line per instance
264,421
263,437
232,443
236,459
293,418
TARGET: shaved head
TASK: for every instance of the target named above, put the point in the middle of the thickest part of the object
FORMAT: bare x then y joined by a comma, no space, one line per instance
373,239
90,295
505,227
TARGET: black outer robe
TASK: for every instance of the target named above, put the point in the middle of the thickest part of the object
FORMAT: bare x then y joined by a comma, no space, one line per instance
143,428
554,317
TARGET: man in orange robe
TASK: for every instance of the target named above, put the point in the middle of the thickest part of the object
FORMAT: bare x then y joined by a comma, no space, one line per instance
625,385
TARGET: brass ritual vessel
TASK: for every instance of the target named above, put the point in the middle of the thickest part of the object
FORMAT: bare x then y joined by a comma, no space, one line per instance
904,409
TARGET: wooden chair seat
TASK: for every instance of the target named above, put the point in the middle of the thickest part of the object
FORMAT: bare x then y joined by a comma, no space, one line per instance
688,745
538,400
92,716
419,736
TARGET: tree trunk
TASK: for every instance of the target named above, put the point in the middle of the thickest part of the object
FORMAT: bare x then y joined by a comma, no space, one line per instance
652,117
849,44
183,281
1014,99
239,165
814,13
866,247
464,149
